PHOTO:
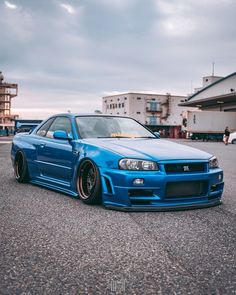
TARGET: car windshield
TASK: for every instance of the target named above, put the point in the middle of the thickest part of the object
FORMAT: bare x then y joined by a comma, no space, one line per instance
108,127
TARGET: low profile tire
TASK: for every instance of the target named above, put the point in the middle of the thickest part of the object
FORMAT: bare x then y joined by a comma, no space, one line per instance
21,168
89,183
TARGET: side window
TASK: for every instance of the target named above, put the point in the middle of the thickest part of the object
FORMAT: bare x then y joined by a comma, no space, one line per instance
43,129
60,123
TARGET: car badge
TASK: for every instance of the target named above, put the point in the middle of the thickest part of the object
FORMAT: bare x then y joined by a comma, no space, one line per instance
186,168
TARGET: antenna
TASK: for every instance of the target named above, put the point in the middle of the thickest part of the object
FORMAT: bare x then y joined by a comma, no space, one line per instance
213,68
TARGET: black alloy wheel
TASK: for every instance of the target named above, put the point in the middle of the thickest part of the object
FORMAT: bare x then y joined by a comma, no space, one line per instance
21,168
89,183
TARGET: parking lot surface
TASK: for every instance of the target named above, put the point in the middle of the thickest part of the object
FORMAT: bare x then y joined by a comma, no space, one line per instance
52,243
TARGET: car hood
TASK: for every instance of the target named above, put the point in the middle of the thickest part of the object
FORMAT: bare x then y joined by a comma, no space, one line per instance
157,149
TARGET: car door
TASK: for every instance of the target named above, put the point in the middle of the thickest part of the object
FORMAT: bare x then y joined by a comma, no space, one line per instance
54,156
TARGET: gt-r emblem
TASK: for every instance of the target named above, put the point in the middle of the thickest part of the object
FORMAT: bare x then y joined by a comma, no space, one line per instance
186,168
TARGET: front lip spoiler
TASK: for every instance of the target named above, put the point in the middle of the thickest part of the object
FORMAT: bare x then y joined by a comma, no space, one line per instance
163,208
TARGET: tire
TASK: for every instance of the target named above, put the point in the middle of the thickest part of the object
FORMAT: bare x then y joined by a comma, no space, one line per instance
89,183
233,141
21,167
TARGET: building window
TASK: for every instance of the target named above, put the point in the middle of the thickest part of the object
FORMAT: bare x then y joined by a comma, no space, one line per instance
138,113
119,105
125,98
123,105
153,99
105,101
118,99
152,120
124,112
138,98
153,106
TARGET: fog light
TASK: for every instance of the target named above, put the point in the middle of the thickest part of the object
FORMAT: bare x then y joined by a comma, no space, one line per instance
138,181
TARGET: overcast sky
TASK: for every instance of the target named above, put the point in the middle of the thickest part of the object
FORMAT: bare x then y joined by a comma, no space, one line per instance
68,54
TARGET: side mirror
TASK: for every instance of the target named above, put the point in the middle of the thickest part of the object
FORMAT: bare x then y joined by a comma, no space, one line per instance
157,134
61,134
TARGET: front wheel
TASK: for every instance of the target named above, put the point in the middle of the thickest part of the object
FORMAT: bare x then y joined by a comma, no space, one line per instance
89,183
21,168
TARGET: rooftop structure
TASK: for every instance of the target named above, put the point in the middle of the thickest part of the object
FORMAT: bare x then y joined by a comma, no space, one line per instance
217,94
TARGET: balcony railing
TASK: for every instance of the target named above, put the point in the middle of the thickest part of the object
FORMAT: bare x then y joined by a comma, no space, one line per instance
153,109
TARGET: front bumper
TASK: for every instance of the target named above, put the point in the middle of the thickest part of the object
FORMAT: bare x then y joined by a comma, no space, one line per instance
120,193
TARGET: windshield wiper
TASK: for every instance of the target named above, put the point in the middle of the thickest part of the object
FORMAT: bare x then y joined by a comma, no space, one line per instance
103,137
153,137
121,137
114,137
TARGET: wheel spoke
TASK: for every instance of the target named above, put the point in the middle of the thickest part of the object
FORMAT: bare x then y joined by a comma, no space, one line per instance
90,180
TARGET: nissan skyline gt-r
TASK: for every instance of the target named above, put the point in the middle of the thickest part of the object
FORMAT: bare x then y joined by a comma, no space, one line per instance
116,161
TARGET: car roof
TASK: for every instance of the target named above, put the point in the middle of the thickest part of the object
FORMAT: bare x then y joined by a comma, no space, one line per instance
87,114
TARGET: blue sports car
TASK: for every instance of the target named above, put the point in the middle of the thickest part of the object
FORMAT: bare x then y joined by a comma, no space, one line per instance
116,161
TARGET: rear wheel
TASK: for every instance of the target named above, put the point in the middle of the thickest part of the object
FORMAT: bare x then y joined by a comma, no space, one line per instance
234,141
21,168
89,183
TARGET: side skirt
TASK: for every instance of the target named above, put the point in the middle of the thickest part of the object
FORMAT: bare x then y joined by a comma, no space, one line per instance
54,187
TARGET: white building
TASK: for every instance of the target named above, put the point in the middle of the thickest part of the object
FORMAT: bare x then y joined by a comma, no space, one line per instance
157,111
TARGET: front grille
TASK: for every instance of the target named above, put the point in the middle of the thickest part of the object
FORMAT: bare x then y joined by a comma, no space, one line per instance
185,168
186,189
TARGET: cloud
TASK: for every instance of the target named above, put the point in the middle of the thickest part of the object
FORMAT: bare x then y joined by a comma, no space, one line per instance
70,9
116,4
62,62
177,18
10,5
188,17
178,26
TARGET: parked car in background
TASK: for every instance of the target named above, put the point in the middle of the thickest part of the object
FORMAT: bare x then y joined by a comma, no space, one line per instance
25,125
116,161
232,137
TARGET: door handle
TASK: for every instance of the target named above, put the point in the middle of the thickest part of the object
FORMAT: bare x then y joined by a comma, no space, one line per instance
42,145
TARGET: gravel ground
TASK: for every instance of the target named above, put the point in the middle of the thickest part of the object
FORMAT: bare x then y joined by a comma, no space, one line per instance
54,244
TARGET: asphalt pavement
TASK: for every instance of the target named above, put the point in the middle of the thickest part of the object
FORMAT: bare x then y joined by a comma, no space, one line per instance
51,243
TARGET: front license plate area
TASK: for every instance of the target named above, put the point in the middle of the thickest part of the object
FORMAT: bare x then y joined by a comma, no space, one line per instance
186,189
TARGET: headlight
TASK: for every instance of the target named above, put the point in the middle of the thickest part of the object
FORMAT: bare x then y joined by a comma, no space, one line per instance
213,163
133,164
